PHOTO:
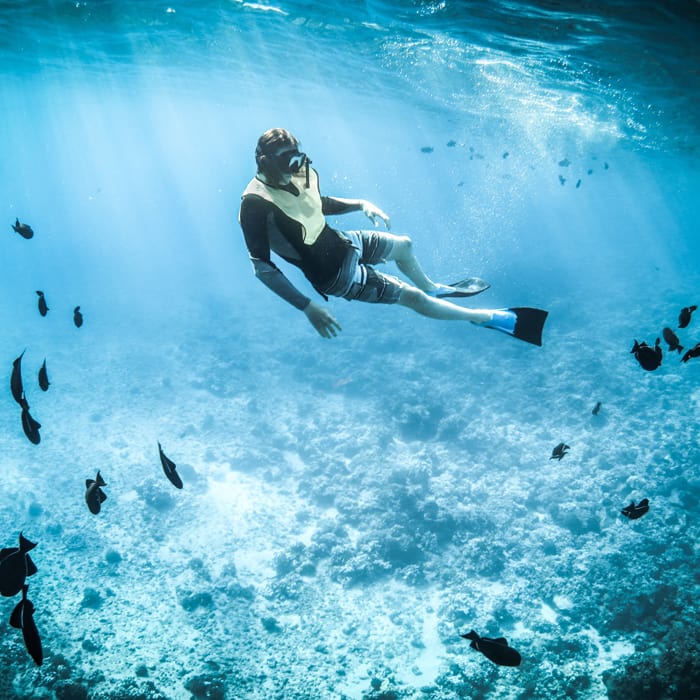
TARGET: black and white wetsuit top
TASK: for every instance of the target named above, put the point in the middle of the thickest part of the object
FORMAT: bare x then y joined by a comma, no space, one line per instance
289,220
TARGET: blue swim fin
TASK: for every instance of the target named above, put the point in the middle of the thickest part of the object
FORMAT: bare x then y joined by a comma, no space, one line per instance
522,322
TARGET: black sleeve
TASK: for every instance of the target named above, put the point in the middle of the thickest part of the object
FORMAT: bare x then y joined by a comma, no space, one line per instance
332,206
253,216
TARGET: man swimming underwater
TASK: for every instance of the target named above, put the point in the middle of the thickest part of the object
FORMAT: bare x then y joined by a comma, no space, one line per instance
282,210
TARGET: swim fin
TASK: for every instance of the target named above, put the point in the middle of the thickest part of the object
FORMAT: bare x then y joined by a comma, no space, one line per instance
521,322
464,288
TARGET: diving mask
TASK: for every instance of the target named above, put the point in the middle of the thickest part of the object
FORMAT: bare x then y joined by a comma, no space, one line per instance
291,161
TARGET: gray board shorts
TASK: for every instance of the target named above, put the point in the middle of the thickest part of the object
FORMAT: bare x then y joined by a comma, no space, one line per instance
357,279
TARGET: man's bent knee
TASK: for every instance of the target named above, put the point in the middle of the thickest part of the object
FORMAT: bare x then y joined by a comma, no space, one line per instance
402,248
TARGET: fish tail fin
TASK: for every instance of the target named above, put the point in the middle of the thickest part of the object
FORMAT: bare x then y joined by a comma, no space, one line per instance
25,545
99,480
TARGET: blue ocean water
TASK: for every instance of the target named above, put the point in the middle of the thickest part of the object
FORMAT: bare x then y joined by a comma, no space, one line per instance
351,506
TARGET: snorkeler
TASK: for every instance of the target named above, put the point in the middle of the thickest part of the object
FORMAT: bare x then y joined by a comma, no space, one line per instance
282,210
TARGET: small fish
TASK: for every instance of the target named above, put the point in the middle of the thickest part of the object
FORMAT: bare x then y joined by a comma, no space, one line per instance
564,163
30,425
596,408
649,358
562,179
559,451
22,618
672,339
496,650
15,566
427,149
451,143
94,495
505,155
684,316
44,377
16,386
633,512
169,469
24,230
77,317
43,308
693,352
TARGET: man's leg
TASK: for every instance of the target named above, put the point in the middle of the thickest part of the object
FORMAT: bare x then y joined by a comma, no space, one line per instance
439,308
402,253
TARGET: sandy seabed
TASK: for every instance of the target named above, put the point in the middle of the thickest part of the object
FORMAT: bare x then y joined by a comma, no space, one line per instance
350,507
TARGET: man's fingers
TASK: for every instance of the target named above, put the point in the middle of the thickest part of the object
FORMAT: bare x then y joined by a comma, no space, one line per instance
331,328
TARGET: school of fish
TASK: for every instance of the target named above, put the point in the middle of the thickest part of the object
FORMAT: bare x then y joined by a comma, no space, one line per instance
16,564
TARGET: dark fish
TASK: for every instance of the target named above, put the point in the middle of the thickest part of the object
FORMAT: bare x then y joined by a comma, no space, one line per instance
496,650
684,316
427,149
564,163
16,385
672,339
451,143
649,358
30,425
24,230
169,469
633,512
562,179
44,377
77,317
693,352
94,495
559,451
22,618
43,308
596,408
15,566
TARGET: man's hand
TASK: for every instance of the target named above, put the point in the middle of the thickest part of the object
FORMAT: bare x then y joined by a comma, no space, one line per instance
372,212
322,320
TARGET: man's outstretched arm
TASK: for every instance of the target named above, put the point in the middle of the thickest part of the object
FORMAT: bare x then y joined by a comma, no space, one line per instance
339,205
273,278
319,317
